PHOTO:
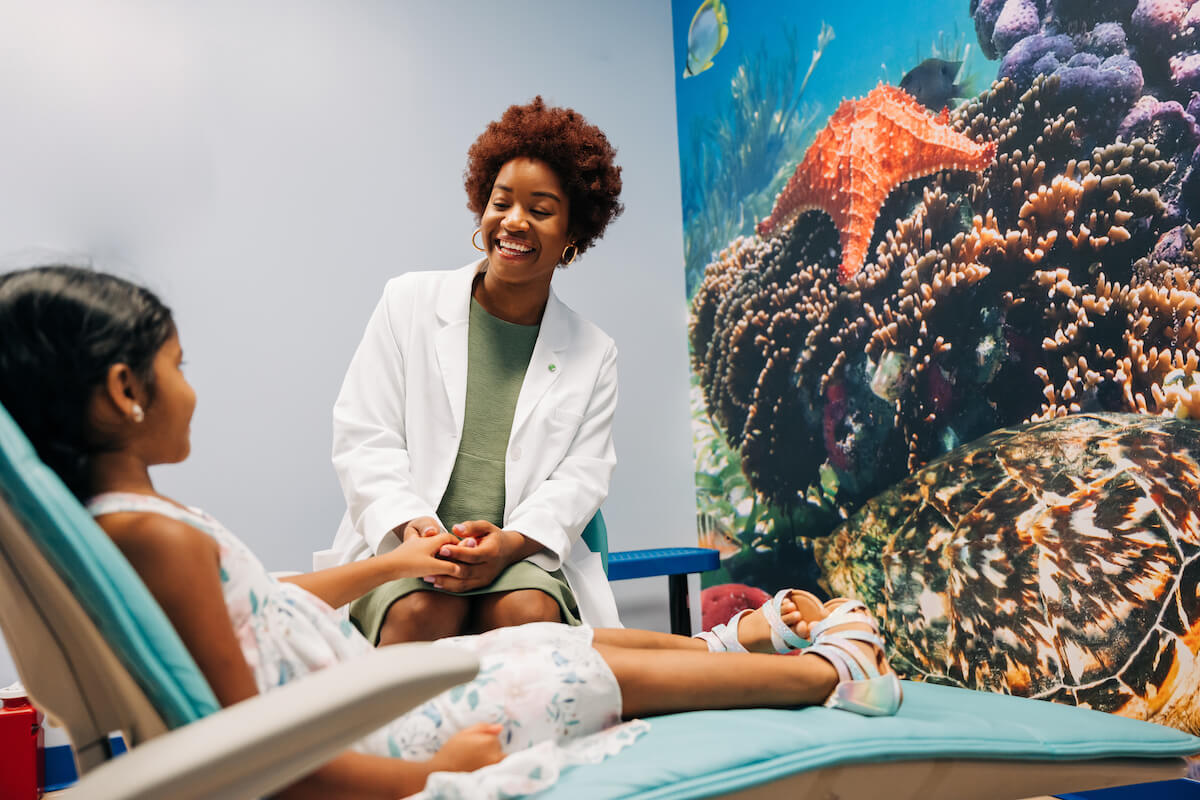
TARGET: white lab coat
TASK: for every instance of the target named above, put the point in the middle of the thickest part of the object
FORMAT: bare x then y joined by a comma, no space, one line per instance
399,416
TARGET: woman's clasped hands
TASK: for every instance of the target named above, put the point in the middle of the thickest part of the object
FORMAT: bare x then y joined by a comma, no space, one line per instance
472,554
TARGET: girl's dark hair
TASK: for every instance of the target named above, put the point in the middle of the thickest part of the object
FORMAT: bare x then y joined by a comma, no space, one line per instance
577,151
61,328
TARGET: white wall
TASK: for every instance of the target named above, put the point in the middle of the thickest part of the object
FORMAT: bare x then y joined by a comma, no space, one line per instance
267,166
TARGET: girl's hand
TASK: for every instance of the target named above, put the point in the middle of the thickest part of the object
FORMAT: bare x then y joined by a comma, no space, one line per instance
469,749
420,526
418,558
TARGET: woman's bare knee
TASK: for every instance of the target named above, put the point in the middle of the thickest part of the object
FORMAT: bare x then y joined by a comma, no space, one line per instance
423,617
516,608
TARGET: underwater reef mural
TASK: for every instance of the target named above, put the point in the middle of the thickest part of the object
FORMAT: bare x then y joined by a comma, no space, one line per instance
935,301
868,148
1055,560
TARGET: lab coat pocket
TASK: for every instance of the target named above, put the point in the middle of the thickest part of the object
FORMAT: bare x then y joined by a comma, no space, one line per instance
555,439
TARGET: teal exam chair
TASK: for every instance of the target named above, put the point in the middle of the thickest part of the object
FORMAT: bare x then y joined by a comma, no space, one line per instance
96,652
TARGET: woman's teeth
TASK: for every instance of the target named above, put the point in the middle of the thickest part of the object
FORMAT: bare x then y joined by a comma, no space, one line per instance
514,248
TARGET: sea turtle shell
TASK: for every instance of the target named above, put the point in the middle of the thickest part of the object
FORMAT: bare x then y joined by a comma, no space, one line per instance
1055,560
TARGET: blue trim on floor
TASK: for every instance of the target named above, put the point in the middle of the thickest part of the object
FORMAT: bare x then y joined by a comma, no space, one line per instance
1182,789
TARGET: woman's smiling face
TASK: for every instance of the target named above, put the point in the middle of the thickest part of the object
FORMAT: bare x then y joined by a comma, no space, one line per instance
526,223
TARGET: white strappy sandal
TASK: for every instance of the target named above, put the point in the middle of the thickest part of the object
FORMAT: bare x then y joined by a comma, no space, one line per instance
724,639
862,687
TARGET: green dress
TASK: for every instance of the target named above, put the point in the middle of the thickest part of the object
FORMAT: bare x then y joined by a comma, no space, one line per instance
498,354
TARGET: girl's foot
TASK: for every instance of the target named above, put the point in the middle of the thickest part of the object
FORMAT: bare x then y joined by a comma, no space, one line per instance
848,638
780,625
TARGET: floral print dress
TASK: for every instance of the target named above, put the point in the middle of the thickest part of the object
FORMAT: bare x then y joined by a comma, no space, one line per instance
556,698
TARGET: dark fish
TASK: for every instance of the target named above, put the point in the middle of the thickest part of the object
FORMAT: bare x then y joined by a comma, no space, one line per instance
932,83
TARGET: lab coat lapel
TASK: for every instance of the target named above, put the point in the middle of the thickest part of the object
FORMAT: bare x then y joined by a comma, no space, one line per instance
454,311
546,364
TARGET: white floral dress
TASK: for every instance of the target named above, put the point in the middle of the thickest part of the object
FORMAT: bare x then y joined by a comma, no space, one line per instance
555,696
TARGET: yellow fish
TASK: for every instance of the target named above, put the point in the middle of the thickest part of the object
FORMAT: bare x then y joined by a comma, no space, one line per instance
706,36
710,535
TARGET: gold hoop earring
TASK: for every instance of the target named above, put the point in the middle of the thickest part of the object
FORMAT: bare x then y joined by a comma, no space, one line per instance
477,247
574,252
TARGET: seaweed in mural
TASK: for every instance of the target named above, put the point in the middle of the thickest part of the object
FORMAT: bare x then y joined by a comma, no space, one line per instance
1046,267
740,157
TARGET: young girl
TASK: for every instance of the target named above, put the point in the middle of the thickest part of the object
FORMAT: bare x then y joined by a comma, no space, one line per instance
90,369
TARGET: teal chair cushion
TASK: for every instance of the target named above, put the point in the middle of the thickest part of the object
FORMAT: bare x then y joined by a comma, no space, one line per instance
707,752
110,591
595,536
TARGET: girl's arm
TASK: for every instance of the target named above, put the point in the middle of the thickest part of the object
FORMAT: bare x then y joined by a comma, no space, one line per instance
414,558
181,568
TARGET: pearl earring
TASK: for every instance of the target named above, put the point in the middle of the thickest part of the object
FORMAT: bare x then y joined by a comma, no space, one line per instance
138,414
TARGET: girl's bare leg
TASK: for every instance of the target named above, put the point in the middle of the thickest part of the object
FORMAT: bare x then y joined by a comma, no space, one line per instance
646,640
664,681
753,631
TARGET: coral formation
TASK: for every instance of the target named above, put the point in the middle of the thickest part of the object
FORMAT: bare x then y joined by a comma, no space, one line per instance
868,148
1159,38
1056,281
1096,75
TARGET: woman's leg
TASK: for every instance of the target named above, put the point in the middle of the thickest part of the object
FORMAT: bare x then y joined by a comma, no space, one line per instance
423,617
505,609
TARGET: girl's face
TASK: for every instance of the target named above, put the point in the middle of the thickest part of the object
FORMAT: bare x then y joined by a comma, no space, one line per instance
164,437
525,224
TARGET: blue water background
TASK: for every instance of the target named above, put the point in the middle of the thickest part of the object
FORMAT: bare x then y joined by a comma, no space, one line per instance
874,40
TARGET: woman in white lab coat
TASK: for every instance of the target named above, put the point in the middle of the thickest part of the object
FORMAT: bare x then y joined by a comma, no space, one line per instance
479,404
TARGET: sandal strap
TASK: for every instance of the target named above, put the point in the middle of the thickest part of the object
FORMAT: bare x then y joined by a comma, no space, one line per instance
847,668
783,638
861,665
854,634
723,638
849,611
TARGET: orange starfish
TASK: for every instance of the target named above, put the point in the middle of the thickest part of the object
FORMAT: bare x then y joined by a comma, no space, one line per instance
870,147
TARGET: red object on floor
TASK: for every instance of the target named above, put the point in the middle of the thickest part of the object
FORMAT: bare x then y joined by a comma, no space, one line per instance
719,603
20,750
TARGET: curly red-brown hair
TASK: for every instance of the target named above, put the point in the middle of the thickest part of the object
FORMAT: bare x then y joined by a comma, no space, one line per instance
578,152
